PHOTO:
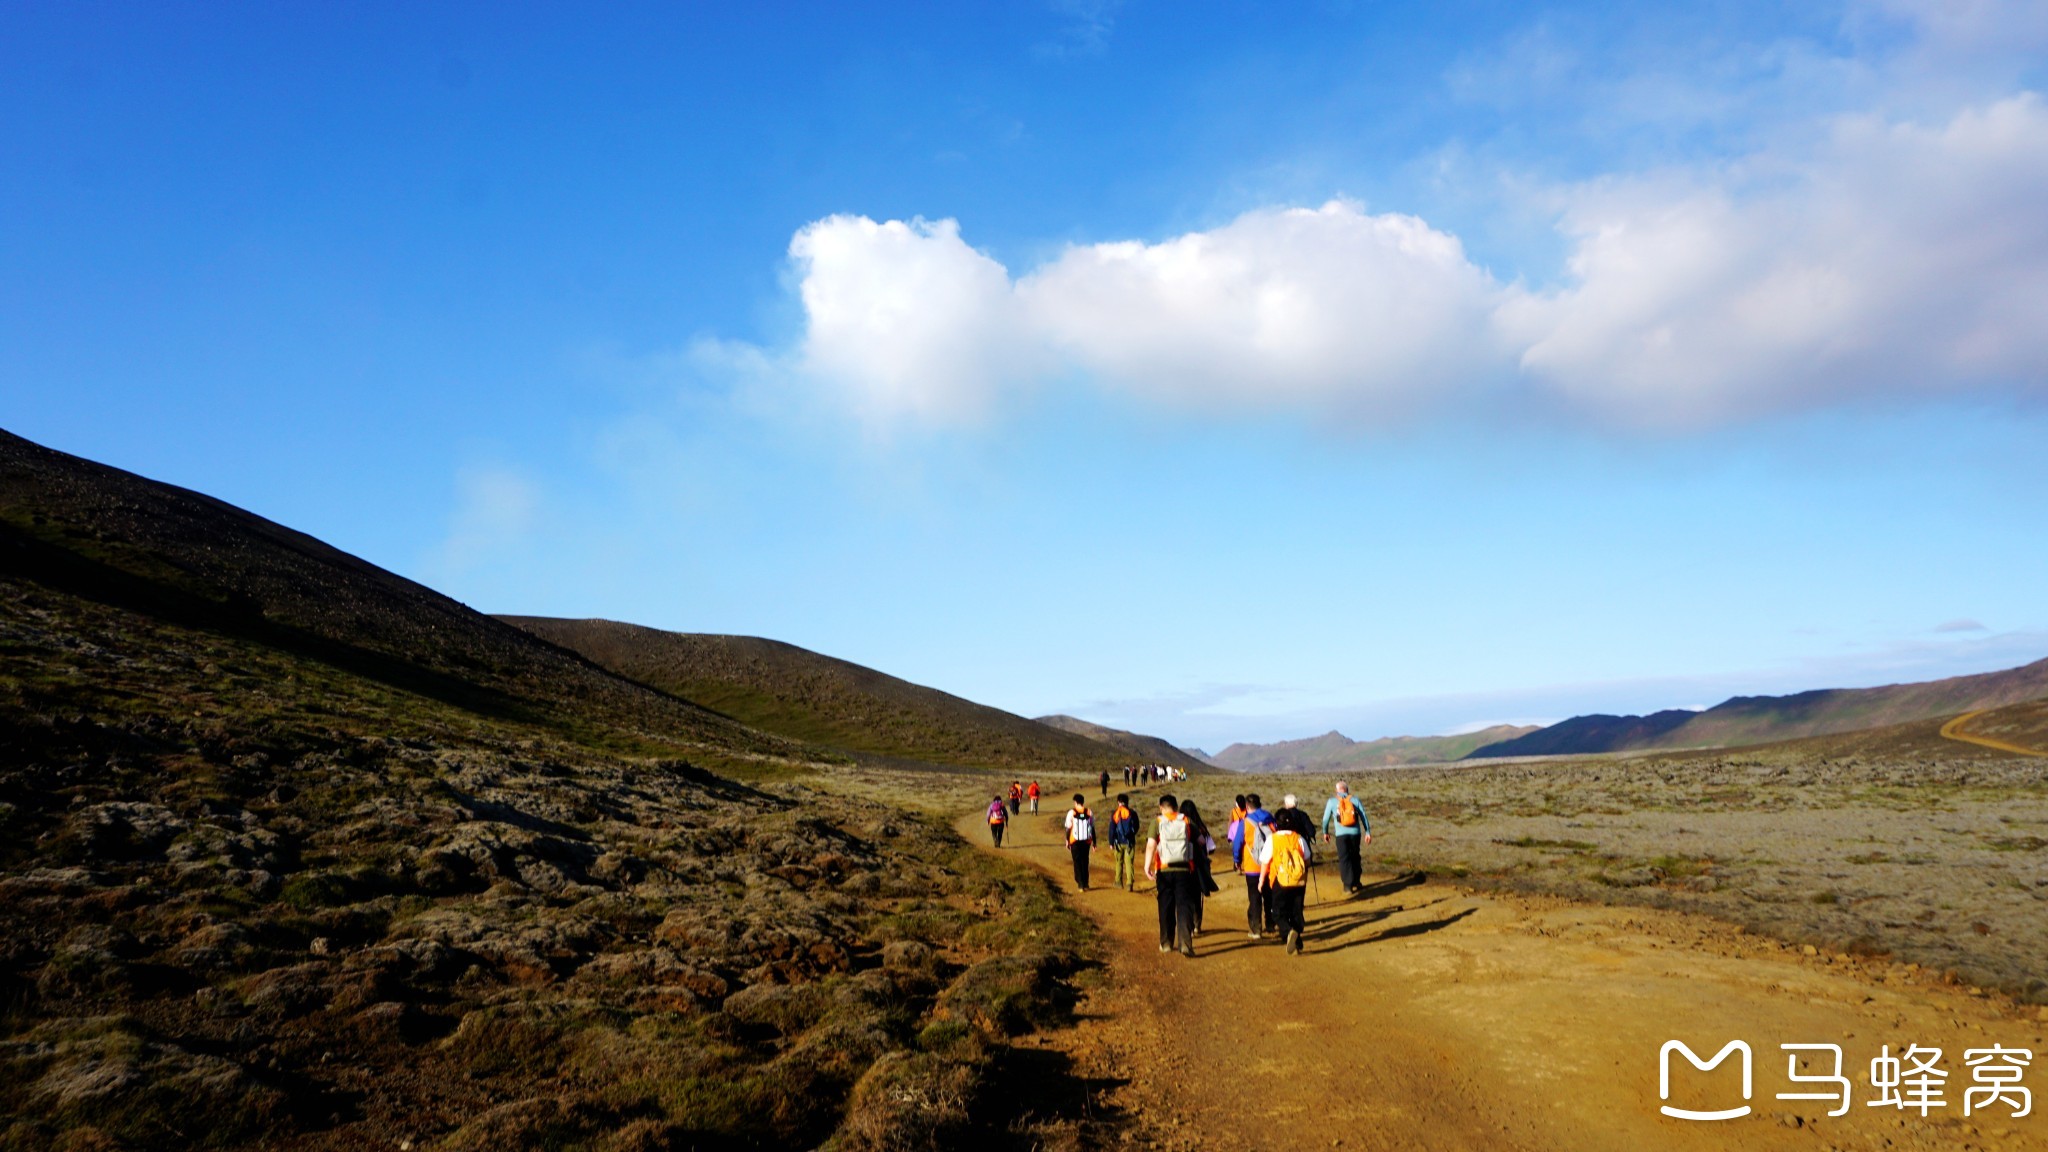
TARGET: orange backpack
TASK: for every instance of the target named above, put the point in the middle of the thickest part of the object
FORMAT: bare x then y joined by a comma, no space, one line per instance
1347,812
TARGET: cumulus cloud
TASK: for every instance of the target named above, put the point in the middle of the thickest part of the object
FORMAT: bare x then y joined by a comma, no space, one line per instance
1892,258
1898,259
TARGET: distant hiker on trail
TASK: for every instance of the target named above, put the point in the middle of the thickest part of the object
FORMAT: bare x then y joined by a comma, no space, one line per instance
1252,833
1170,865
1123,839
998,817
1284,863
1205,885
1033,792
1080,838
1105,783
1016,797
1344,822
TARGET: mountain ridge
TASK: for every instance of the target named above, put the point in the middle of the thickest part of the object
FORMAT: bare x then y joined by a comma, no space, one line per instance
1740,721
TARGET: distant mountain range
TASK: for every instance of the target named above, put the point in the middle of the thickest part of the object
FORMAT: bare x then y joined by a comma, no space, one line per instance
1335,752
1768,719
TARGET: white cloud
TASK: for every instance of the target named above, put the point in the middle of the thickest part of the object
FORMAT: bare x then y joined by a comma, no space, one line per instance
1898,259
907,318
1892,258
1330,306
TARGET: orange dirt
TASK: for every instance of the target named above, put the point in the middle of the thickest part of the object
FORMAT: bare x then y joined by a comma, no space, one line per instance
1428,1016
1953,730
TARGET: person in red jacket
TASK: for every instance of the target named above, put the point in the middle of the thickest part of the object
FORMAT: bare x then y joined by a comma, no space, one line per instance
1033,793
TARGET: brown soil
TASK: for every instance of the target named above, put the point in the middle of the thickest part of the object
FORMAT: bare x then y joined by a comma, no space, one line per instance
1425,1015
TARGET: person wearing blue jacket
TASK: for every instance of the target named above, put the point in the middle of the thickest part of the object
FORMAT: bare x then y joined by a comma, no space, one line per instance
1123,840
1245,843
1345,823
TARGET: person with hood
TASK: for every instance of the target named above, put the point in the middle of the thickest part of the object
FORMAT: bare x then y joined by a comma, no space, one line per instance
1245,848
1345,825
1283,871
1080,838
1123,840
1170,865
998,819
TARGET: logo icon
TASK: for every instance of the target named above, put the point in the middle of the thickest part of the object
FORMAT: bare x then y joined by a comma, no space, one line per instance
1664,1078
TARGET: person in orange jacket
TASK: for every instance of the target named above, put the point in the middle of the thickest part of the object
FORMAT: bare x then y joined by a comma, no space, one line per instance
1033,793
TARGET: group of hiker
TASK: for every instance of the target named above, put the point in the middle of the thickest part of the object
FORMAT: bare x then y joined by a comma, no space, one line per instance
1273,851
1135,774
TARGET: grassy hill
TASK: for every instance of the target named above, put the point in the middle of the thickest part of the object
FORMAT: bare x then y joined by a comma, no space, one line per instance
820,700
295,853
1745,720
1136,748
1335,752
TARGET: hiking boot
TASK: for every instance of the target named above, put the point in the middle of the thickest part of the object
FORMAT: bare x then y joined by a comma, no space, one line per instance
1294,943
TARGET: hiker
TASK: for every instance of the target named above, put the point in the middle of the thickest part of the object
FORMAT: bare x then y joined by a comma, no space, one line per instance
1033,793
1170,865
1293,818
1284,863
1345,824
1016,797
1123,840
1246,846
1080,838
1205,884
1236,821
998,818
1105,783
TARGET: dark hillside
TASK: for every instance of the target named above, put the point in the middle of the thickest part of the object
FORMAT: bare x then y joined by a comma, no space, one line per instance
1139,748
805,696
295,854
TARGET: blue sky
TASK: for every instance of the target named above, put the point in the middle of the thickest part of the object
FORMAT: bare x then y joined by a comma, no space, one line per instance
1227,371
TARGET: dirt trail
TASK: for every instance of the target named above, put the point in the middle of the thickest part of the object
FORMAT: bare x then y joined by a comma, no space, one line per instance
1426,1016
1953,730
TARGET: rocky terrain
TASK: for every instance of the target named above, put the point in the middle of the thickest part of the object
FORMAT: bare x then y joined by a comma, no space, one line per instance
296,854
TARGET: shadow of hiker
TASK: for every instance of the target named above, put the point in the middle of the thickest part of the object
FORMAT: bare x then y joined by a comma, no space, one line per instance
1389,886
1398,931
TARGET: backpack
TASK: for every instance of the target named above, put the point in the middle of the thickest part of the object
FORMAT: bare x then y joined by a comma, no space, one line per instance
1175,845
1347,812
1289,862
1255,836
1083,827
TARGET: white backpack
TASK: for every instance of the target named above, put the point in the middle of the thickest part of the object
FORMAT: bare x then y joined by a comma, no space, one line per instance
1174,845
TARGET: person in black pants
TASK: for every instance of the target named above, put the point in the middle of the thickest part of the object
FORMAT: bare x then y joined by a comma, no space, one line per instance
1169,861
1080,838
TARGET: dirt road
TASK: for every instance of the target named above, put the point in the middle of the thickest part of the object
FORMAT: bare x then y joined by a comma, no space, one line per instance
1953,730
1425,1016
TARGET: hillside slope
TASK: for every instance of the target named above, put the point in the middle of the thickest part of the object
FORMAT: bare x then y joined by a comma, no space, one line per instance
295,854
1139,748
1336,752
1746,720
806,696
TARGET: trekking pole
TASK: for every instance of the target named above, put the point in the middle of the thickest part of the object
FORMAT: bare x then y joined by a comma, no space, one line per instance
1313,879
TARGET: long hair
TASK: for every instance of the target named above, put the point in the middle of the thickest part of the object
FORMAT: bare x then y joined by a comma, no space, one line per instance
1196,828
